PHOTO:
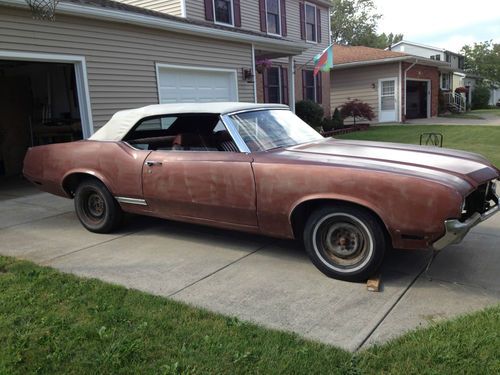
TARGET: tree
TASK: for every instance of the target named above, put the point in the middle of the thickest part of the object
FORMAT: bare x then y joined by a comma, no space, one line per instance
480,97
310,112
354,22
483,59
357,109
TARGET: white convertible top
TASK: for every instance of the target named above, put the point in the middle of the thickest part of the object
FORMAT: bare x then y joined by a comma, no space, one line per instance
122,121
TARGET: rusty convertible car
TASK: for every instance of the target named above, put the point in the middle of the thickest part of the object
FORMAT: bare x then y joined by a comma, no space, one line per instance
259,168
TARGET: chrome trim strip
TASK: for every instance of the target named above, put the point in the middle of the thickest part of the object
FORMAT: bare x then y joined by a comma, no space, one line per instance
140,202
240,143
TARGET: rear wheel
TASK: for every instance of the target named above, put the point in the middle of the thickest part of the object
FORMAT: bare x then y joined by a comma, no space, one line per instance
345,242
96,208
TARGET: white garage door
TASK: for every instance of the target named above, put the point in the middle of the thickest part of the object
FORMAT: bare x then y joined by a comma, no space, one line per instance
181,85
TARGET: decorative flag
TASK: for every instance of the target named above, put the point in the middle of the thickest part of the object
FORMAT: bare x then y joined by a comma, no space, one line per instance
324,61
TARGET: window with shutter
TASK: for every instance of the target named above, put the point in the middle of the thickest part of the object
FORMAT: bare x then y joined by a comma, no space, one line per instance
310,22
223,12
312,86
275,81
273,17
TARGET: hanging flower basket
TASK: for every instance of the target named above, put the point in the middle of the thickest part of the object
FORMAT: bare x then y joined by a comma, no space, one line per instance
461,90
261,65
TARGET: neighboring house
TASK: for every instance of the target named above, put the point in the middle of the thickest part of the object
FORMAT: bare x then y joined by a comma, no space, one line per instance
397,85
61,80
451,76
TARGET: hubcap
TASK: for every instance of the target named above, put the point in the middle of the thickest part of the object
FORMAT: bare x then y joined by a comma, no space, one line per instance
95,205
343,240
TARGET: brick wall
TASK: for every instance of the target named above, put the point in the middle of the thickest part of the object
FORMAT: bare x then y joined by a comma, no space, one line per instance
422,72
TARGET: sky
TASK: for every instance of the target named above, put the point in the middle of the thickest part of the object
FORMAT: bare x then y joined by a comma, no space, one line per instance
441,23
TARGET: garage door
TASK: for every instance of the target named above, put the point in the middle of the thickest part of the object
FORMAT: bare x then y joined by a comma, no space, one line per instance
181,85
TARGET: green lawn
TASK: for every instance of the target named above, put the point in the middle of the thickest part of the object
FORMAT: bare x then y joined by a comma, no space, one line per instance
467,115
57,323
491,111
484,140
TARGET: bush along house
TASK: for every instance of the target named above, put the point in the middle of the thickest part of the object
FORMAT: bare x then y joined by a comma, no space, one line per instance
63,75
398,86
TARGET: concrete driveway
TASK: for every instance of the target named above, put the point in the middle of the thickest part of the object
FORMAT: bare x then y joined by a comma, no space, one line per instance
259,279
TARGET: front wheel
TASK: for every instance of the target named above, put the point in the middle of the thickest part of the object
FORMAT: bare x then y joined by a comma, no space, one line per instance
96,208
345,242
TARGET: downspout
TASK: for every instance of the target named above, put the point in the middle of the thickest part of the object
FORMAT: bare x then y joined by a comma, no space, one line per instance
291,83
406,71
254,75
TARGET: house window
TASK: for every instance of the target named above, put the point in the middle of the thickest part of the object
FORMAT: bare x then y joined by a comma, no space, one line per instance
273,17
223,10
311,86
461,62
445,81
273,85
448,58
436,57
310,18
276,85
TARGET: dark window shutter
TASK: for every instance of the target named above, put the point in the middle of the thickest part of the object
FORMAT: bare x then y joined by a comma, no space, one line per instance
263,16
303,85
302,21
237,13
284,85
283,17
319,88
318,24
265,85
209,10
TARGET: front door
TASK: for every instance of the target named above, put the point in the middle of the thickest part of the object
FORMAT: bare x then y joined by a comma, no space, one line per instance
204,185
388,102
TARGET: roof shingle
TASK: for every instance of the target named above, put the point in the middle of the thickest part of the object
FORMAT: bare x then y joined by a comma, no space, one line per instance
349,54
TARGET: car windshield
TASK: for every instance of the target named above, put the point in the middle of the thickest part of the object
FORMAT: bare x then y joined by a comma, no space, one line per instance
268,129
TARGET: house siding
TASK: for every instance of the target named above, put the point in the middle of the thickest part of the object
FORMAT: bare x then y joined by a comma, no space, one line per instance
121,60
357,83
172,7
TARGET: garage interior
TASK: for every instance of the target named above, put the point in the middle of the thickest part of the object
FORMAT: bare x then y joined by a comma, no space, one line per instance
416,99
38,105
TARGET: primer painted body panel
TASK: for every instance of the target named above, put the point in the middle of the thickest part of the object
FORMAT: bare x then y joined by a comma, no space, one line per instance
213,186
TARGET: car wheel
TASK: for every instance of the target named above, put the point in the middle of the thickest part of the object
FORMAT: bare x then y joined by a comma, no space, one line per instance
345,242
96,208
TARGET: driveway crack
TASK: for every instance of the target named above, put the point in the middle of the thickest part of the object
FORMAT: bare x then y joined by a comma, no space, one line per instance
219,269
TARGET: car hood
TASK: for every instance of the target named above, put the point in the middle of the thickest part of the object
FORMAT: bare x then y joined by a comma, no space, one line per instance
448,166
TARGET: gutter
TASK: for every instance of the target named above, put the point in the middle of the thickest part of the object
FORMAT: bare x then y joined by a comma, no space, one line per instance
114,15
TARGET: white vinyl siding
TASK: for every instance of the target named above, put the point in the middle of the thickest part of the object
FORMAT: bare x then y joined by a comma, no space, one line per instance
121,58
357,83
173,7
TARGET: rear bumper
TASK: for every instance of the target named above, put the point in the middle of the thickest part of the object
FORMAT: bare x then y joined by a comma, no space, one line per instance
457,230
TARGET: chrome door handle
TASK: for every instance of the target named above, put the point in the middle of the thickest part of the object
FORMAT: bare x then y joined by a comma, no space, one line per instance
151,163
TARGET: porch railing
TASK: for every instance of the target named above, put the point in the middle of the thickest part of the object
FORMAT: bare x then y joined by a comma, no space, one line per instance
455,101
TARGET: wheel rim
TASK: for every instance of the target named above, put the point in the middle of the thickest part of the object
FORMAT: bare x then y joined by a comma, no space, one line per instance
342,242
94,206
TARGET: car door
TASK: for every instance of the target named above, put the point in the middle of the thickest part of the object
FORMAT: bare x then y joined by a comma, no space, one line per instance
204,185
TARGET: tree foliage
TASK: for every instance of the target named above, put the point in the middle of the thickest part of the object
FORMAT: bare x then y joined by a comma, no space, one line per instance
357,109
354,22
310,112
480,97
483,59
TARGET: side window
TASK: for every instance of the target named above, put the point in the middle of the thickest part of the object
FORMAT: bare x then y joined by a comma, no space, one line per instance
186,132
157,123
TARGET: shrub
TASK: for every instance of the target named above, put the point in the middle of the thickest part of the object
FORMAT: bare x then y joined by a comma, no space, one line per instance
337,120
327,125
480,97
310,112
357,109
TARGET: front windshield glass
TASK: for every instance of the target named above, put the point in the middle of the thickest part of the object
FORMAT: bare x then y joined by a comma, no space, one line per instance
268,129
